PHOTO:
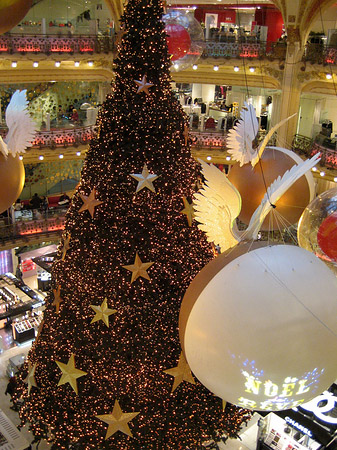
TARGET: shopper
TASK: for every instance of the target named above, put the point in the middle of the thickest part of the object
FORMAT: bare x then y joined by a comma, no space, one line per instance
11,386
35,202
18,205
74,116
64,200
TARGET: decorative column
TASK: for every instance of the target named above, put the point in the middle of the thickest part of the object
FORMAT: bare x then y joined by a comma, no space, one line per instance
290,88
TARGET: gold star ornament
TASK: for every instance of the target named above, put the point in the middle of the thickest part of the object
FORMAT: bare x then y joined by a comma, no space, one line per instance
143,86
89,203
117,421
145,179
139,269
31,377
57,298
66,247
188,210
70,373
180,373
102,312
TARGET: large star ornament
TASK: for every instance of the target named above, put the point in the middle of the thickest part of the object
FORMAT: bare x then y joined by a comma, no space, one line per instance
181,373
143,85
139,269
70,373
31,377
66,247
57,298
188,210
102,312
89,202
145,179
117,421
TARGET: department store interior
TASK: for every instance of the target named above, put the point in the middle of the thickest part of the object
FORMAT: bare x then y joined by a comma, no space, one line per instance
278,56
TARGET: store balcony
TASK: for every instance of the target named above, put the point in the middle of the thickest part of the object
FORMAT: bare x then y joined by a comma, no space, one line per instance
55,44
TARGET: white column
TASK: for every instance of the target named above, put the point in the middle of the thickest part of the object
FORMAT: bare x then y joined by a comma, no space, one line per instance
208,91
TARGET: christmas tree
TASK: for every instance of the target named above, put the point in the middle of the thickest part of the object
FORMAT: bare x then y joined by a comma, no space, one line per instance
106,370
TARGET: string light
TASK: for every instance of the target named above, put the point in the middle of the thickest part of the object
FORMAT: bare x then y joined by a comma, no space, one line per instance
126,360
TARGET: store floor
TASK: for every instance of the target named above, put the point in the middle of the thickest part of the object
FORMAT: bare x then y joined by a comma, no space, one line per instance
248,434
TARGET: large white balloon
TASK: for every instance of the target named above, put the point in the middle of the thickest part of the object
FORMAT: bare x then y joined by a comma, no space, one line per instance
259,329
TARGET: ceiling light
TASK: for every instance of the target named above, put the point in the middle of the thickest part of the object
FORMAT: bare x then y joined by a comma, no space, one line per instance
194,67
14,64
335,179
60,156
77,63
209,158
314,169
236,69
35,64
21,157
90,63
216,68
78,153
57,64
228,158
41,157
328,76
322,174
252,69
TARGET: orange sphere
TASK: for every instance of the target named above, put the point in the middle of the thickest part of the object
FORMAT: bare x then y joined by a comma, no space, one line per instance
12,176
12,12
250,184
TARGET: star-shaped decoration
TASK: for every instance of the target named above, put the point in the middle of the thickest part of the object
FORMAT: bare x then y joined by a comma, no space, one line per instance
145,179
185,134
180,373
30,379
39,330
89,202
66,247
139,269
102,312
119,36
143,85
188,210
57,298
224,404
70,373
117,421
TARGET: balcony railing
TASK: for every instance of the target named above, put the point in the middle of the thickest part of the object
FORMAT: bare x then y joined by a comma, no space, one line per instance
49,44
64,137
306,146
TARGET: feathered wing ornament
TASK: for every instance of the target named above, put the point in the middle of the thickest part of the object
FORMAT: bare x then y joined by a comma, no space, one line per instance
21,128
216,206
241,141
274,193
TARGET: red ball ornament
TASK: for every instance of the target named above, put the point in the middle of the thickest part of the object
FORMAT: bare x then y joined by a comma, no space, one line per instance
178,41
327,236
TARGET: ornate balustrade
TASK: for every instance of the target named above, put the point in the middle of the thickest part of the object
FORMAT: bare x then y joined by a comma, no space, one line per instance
208,140
215,49
64,137
12,43
328,156
302,145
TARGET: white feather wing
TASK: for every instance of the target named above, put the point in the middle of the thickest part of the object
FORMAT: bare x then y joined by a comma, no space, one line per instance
241,137
21,127
216,206
275,192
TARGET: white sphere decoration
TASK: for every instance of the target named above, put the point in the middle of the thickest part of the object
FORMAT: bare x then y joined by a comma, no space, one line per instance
259,329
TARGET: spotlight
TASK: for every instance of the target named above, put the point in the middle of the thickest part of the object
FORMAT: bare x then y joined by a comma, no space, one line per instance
252,69
60,156
78,153
57,64
322,174
90,63
328,76
194,67
77,63
35,64
209,158
21,157
14,64
314,169
176,66
228,158
216,68
236,69
335,179
41,157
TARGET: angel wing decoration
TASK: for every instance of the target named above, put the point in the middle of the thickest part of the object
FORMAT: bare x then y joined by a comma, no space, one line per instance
242,141
216,205
21,128
242,138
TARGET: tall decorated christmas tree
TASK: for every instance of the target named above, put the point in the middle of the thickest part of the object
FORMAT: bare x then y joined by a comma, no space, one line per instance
106,370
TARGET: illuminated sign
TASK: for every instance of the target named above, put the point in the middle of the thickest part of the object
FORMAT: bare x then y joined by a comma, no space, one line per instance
299,427
320,405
